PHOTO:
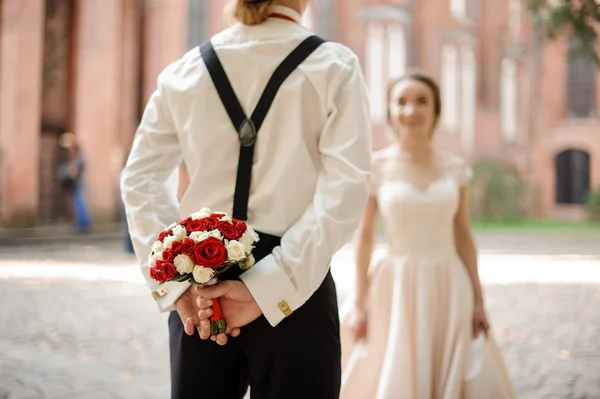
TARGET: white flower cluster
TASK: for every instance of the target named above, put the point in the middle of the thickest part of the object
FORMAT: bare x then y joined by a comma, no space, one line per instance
203,274
179,232
202,213
203,235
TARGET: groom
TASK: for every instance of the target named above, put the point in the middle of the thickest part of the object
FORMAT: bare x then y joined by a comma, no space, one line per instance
297,169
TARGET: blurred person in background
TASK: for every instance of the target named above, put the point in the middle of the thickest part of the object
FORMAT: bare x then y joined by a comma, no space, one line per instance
71,176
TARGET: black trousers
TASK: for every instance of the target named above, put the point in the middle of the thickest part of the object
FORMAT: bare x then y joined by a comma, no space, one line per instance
299,358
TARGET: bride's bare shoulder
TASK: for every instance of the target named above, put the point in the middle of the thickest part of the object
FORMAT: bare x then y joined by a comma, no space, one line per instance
382,158
453,161
384,154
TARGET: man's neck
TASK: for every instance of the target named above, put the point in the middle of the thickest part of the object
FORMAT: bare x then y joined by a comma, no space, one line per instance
294,5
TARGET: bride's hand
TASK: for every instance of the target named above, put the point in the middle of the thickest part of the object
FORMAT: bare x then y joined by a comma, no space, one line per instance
358,323
480,321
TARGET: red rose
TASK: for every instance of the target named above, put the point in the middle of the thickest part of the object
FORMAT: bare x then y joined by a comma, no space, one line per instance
176,248
168,255
187,247
204,224
185,221
210,253
163,235
169,270
156,275
163,271
239,224
229,231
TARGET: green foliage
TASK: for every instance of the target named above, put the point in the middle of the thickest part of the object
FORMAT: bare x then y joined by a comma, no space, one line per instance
593,205
582,17
498,192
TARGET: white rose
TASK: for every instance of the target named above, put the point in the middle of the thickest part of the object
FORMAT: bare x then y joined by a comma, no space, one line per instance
226,219
202,213
247,241
184,264
158,246
215,233
250,231
151,261
203,274
179,232
249,238
157,256
168,241
248,262
171,226
203,235
236,251
199,235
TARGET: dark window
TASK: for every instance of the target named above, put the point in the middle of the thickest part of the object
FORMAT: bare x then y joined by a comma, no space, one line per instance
581,90
572,169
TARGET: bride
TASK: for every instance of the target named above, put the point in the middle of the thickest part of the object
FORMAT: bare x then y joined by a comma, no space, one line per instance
416,327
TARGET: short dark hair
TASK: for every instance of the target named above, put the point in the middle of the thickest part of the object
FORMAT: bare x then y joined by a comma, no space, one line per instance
423,78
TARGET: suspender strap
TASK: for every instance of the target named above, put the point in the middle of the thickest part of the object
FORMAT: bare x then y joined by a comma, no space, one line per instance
221,82
248,128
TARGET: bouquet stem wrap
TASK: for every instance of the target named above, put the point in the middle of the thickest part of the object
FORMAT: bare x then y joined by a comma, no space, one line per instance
217,322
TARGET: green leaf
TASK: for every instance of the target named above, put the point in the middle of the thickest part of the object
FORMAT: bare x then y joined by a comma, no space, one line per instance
584,21
181,277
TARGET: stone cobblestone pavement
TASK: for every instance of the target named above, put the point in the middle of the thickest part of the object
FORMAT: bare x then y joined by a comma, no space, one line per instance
77,322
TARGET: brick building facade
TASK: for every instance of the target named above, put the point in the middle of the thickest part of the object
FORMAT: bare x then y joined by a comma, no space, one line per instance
88,66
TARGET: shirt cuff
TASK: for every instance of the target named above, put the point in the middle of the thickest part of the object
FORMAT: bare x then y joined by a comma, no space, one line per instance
165,294
272,290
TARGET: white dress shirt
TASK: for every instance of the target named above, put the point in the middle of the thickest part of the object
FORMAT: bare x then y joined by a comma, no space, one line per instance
312,161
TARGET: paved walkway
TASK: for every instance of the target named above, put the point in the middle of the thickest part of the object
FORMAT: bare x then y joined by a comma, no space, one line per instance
77,322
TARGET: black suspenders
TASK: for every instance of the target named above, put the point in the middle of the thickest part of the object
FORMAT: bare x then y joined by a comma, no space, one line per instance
248,128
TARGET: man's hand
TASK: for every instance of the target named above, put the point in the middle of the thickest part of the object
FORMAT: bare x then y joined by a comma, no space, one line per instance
188,311
238,305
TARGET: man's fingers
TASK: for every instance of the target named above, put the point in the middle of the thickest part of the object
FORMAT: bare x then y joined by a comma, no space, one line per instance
188,326
204,329
205,313
204,303
221,339
235,332
213,291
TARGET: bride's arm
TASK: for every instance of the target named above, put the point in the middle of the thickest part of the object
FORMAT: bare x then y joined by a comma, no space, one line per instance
465,245
364,250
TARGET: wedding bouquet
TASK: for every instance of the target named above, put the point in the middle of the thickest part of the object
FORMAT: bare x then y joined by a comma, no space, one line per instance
200,248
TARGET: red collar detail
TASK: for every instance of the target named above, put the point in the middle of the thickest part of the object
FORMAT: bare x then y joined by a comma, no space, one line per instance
281,16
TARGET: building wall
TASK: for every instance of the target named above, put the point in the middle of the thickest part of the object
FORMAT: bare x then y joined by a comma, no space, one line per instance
20,106
72,78
558,132
505,94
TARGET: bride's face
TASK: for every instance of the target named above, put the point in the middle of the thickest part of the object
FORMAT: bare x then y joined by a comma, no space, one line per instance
412,108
